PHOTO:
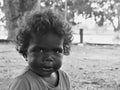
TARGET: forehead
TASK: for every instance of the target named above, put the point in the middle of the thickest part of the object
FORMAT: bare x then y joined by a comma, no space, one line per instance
47,40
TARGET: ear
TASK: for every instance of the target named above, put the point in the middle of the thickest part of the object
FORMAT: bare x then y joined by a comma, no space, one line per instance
26,59
25,56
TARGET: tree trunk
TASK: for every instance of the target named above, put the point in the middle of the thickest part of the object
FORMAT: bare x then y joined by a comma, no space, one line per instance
11,27
14,10
65,10
11,35
117,30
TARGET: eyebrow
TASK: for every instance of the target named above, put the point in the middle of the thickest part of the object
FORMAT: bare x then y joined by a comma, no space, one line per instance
37,47
42,47
58,48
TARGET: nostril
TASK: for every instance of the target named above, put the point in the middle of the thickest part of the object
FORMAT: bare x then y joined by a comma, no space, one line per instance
49,59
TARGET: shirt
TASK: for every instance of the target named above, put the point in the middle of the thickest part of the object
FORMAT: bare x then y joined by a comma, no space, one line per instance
31,81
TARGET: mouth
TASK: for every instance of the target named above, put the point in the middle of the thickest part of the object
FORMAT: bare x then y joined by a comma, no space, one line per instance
47,69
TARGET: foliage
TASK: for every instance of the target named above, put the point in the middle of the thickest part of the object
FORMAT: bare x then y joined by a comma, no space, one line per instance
14,10
107,10
102,10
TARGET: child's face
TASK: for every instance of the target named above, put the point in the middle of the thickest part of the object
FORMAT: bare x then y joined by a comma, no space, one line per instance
45,54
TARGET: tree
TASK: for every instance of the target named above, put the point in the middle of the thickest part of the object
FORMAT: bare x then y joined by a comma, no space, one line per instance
108,10
14,10
102,10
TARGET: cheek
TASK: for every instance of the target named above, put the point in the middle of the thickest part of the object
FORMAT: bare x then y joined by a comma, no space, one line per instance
58,62
34,59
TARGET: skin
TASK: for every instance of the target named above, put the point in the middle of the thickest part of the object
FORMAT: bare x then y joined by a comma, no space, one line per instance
44,56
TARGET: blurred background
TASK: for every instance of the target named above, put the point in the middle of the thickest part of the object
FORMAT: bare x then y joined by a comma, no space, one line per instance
98,18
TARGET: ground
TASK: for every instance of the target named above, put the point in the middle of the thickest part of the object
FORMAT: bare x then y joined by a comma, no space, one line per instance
90,67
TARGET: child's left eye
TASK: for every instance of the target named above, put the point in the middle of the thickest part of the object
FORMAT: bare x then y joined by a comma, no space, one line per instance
38,50
41,50
58,51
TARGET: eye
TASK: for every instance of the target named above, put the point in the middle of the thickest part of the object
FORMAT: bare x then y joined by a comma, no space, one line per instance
41,50
58,51
38,50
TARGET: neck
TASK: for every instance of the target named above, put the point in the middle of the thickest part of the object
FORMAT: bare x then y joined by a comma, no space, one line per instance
53,79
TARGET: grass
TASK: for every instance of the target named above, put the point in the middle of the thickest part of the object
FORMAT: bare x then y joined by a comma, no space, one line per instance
90,67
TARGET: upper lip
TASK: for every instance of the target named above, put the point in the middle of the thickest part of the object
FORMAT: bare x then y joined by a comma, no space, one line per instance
47,64
47,67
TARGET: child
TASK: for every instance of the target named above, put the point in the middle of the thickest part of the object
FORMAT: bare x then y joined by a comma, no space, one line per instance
43,38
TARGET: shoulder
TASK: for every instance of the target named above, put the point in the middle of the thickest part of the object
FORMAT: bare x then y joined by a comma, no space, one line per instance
27,81
21,82
64,79
64,74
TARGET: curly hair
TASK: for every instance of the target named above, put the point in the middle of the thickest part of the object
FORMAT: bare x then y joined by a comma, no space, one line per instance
42,22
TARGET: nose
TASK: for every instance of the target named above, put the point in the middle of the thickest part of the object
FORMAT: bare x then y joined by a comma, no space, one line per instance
48,58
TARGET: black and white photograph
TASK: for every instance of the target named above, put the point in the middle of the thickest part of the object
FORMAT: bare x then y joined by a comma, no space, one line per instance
59,44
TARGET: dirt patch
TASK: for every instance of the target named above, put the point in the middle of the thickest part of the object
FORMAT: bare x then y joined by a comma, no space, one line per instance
90,67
